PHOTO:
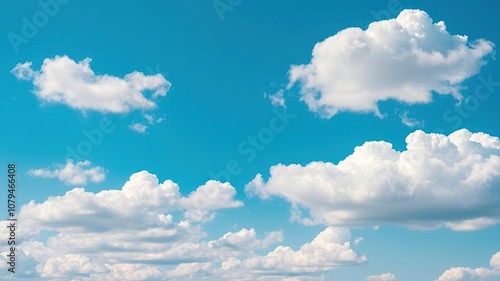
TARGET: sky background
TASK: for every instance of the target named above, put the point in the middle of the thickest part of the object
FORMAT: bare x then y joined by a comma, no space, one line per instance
221,63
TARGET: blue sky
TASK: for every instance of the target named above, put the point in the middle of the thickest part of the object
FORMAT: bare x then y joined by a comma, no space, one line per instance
268,140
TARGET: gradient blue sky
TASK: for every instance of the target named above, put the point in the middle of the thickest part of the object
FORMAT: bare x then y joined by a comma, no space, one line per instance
220,67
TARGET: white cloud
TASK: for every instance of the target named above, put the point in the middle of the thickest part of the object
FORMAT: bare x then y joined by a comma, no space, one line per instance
70,264
404,59
62,80
142,128
247,239
140,202
330,249
152,120
277,99
382,277
128,232
211,196
72,174
477,274
437,181
138,128
410,121
134,234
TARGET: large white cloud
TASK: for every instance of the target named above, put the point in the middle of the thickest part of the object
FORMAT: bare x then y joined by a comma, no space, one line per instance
474,274
439,180
404,59
109,231
62,80
70,173
148,230
141,201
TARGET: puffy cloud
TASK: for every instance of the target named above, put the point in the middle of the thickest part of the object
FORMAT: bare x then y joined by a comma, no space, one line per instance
133,234
141,201
211,196
62,266
70,173
470,274
382,277
247,239
437,181
130,233
330,249
404,59
191,270
62,80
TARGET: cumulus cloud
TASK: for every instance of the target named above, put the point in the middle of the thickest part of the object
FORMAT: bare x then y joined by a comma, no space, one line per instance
438,181
65,81
330,249
476,274
142,200
73,174
211,196
382,277
145,231
404,59
129,231
246,239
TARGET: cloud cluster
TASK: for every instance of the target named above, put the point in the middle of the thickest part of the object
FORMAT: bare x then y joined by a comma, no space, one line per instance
65,81
70,173
140,202
439,180
473,274
148,230
328,250
404,59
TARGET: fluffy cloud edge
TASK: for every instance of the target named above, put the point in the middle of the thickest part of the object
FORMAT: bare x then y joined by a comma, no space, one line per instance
438,181
145,238
406,59
72,174
64,81
467,273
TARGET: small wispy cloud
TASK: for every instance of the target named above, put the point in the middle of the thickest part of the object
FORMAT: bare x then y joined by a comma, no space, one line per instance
277,99
409,121
138,128
151,120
